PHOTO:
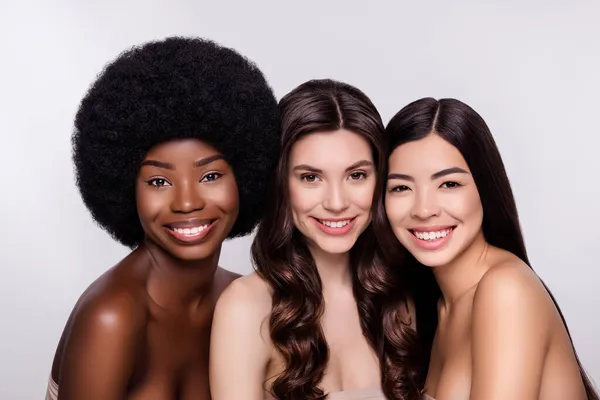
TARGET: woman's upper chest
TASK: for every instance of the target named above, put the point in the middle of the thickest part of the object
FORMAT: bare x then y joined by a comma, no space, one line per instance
352,361
173,363
450,368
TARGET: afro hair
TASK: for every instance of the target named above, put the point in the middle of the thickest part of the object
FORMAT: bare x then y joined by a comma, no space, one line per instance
177,88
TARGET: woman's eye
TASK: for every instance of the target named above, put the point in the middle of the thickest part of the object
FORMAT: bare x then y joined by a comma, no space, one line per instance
450,185
399,188
358,175
211,177
157,182
310,178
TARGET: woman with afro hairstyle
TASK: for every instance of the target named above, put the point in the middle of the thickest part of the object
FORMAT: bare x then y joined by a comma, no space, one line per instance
324,316
174,145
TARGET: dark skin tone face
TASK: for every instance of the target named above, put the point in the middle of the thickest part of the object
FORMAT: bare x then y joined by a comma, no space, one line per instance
187,199
141,331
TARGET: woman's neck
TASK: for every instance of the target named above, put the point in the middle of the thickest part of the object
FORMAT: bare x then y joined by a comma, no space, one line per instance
177,284
334,269
463,273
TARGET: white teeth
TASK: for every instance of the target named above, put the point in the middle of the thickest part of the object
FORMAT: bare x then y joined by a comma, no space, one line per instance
190,231
335,224
432,235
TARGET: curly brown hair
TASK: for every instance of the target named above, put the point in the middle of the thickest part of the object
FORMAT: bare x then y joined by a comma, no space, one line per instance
281,257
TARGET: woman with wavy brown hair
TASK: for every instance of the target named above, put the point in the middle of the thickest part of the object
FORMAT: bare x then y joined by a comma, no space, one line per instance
323,316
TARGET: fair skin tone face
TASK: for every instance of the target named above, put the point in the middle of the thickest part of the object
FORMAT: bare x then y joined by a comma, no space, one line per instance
331,197
330,202
499,335
434,208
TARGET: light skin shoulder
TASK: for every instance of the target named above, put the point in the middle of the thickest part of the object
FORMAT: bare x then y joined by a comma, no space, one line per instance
511,320
240,348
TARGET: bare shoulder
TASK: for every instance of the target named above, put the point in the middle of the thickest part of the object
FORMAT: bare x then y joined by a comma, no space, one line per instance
246,294
227,275
511,286
111,309
240,347
511,327
223,278
509,277
103,334
110,305
114,303
243,310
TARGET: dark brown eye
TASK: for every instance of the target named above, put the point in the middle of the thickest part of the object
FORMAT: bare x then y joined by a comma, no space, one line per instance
400,188
157,182
211,177
310,178
358,175
450,185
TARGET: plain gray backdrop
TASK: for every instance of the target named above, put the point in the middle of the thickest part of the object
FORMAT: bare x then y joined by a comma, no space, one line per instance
530,68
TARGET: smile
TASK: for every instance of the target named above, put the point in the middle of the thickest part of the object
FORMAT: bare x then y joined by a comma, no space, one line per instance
190,233
432,235
335,226
432,238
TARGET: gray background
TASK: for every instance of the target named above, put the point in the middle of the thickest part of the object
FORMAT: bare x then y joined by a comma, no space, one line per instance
530,68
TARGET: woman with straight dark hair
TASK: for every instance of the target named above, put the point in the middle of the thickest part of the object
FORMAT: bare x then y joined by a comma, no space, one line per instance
323,316
498,332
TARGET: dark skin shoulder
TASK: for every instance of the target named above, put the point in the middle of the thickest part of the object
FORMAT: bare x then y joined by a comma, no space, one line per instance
223,278
142,330
119,344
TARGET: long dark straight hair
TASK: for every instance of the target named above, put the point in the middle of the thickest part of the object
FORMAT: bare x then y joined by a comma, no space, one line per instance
465,129
281,257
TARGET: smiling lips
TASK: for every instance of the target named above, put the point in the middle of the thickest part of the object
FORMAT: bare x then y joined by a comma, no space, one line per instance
335,226
432,237
190,231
